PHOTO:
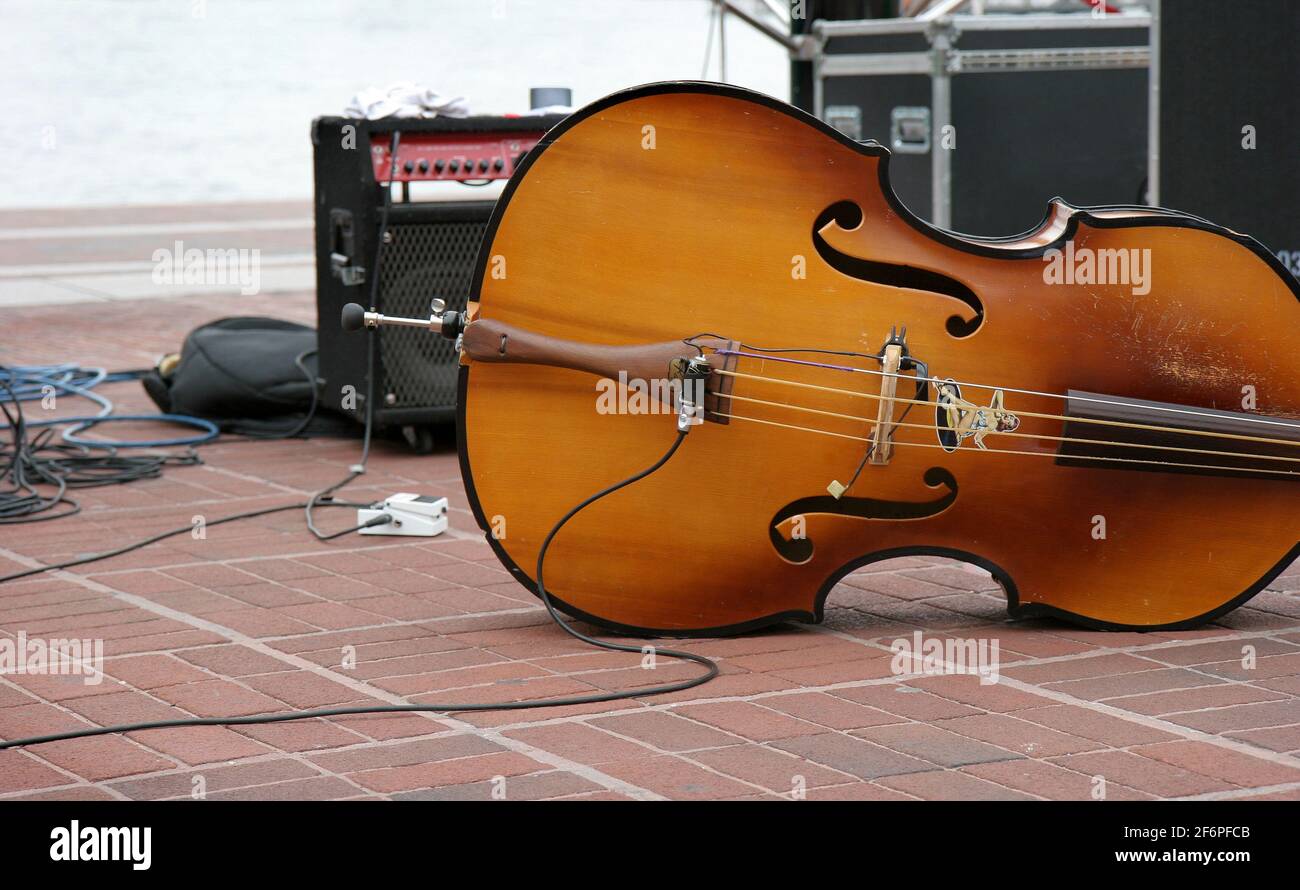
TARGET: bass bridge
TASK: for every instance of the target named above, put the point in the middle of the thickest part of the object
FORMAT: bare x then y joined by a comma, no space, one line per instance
894,358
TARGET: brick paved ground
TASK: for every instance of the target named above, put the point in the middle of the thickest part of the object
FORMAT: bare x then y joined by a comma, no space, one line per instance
256,618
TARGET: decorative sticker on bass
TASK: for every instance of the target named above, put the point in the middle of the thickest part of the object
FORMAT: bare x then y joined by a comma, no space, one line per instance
957,420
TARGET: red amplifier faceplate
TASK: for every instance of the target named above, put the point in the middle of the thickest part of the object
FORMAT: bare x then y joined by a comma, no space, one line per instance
429,157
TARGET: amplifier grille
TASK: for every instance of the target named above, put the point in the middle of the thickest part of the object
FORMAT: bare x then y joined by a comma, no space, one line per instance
423,261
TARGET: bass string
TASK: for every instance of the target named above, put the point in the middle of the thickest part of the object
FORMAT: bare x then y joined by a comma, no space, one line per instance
1119,460
1085,420
1072,439
1268,421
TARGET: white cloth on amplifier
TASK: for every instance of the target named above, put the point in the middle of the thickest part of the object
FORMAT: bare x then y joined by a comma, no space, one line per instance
405,100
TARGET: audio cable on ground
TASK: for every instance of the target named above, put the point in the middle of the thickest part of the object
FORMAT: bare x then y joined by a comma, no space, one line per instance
25,384
161,536
33,457
710,666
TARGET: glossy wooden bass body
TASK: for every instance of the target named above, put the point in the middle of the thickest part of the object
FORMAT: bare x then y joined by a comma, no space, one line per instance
677,210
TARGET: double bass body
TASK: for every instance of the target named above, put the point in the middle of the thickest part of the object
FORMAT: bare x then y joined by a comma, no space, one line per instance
677,210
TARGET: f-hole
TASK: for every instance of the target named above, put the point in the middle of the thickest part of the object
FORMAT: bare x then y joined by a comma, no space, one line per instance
800,550
849,216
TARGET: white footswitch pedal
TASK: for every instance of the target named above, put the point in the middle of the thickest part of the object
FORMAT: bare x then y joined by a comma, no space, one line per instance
413,514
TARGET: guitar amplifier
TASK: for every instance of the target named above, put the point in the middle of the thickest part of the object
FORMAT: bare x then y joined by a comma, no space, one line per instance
1229,117
448,173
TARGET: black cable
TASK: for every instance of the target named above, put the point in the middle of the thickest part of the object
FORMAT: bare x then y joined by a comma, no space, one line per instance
709,664
28,461
95,557
325,498
711,667
162,536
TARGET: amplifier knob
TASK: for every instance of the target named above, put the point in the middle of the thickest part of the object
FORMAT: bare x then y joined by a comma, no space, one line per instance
498,165
424,166
454,166
482,165
408,166
439,165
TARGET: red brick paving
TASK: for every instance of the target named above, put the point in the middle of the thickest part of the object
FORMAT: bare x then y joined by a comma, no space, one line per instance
258,616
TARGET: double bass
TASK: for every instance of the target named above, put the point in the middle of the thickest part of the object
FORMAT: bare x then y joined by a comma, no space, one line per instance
1103,413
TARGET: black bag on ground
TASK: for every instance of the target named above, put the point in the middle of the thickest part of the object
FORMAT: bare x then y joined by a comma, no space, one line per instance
250,376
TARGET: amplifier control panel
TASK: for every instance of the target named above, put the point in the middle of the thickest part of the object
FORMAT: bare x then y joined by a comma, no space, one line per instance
458,157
